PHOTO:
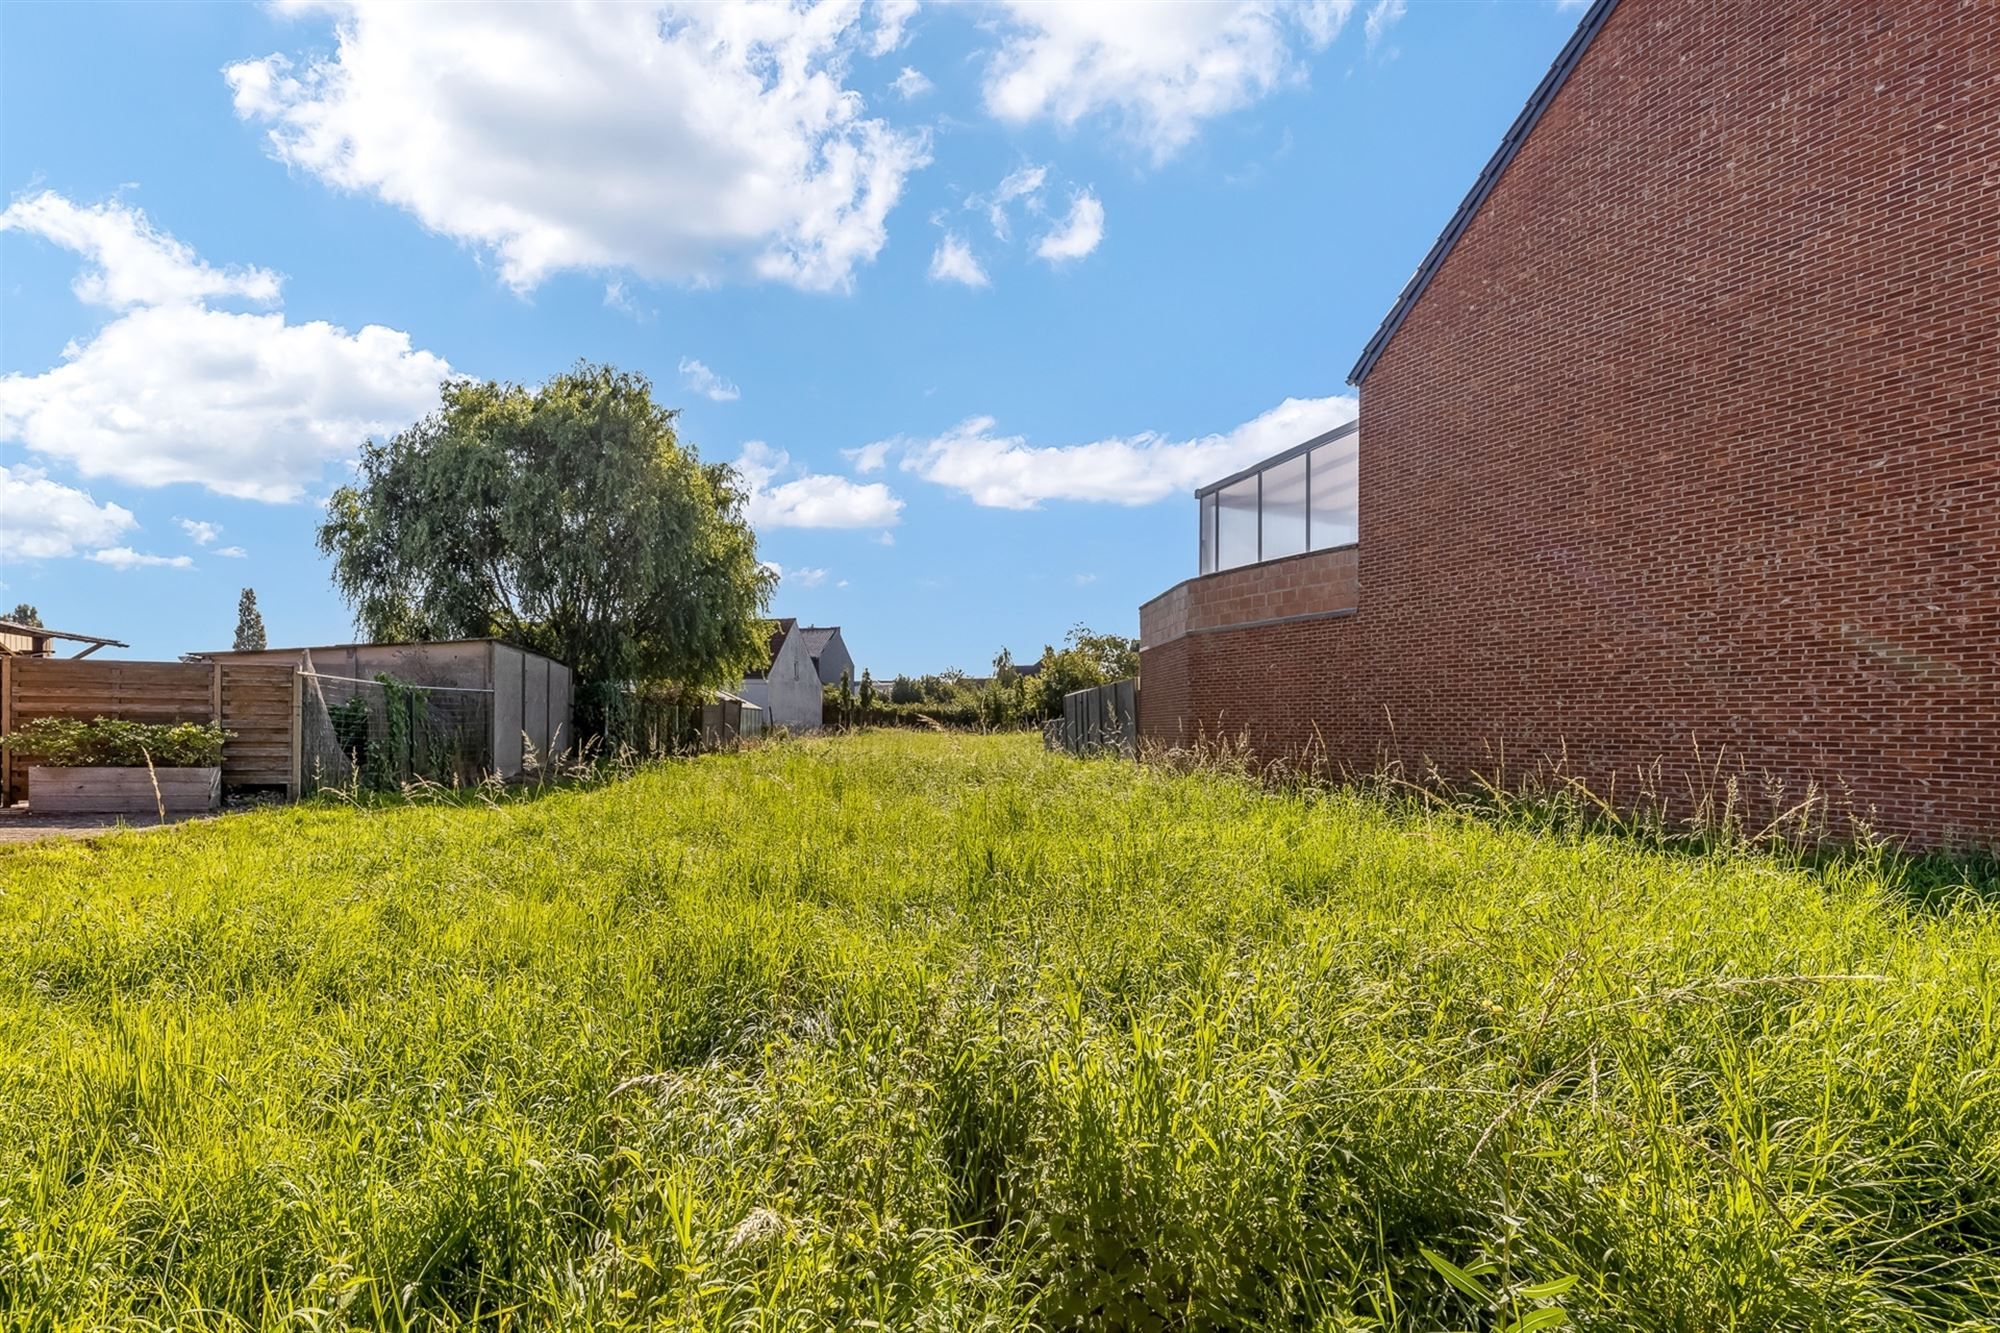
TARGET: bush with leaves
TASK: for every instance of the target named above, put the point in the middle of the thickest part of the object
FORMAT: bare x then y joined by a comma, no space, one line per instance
1086,659
109,742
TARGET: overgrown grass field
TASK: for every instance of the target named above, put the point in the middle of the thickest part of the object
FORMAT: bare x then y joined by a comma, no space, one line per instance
939,1032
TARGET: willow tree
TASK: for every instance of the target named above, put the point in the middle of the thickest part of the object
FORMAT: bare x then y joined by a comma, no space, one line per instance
567,519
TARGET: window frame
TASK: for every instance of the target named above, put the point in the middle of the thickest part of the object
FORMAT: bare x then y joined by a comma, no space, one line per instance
1209,504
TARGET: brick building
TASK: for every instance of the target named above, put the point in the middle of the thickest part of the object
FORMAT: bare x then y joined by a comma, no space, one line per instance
1682,446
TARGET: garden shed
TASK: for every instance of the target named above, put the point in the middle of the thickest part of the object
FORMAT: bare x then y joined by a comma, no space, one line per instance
513,707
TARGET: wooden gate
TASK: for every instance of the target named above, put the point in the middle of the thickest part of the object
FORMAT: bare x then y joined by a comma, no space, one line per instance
257,703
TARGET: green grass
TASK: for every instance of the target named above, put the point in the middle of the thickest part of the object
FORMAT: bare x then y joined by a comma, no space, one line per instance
941,1032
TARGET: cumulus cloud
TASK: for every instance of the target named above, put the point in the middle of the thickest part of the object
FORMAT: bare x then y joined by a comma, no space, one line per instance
1079,233
911,84
783,495
198,531
687,142
233,552
706,382
130,262
1157,74
47,520
243,403
953,261
1007,472
124,557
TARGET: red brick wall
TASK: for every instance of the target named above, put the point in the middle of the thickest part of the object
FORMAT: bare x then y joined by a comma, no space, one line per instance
1694,440
1301,585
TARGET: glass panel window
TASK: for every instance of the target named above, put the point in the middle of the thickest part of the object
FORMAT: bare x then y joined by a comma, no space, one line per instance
1336,477
1285,508
1236,524
1208,533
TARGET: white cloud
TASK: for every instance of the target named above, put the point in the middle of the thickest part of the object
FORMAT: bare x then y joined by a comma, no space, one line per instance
1083,580
884,539
1157,71
890,18
131,263
1382,16
1006,472
682,142
784,496
199,532
798,578
618,297
124,557
46,520
911,84
245,404
1021,183
869,457
707,383
953,261
233,552
1079,233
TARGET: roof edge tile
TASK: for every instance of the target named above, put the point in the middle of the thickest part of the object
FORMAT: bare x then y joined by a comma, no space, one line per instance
1524,125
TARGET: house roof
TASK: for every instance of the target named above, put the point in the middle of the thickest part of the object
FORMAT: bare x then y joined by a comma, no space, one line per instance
817,637
1524,125
781,629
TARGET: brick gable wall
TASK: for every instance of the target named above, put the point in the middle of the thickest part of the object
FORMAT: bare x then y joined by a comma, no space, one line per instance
1692,446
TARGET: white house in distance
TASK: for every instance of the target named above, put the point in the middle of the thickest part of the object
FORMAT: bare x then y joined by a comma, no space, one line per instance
804,659
788,689
829,654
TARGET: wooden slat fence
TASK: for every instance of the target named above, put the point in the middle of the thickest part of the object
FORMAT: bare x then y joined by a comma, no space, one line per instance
255,701
1102,719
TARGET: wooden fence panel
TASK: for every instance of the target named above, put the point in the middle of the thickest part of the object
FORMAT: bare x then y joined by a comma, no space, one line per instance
260,712
254,701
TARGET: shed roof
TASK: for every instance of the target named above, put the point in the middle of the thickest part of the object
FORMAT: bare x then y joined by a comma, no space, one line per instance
362,643
1517,134
44,632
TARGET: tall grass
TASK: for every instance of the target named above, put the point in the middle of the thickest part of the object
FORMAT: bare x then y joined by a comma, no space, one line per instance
941,1032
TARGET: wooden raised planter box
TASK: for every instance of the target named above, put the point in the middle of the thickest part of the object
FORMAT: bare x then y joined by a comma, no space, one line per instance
123,791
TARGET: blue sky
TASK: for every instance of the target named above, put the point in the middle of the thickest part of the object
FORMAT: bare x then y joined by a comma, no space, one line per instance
957,285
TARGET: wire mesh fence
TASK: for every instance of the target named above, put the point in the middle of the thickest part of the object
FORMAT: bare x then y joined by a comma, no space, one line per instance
383,734
648,726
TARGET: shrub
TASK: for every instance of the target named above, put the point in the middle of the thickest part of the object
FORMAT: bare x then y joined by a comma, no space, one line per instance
110,742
